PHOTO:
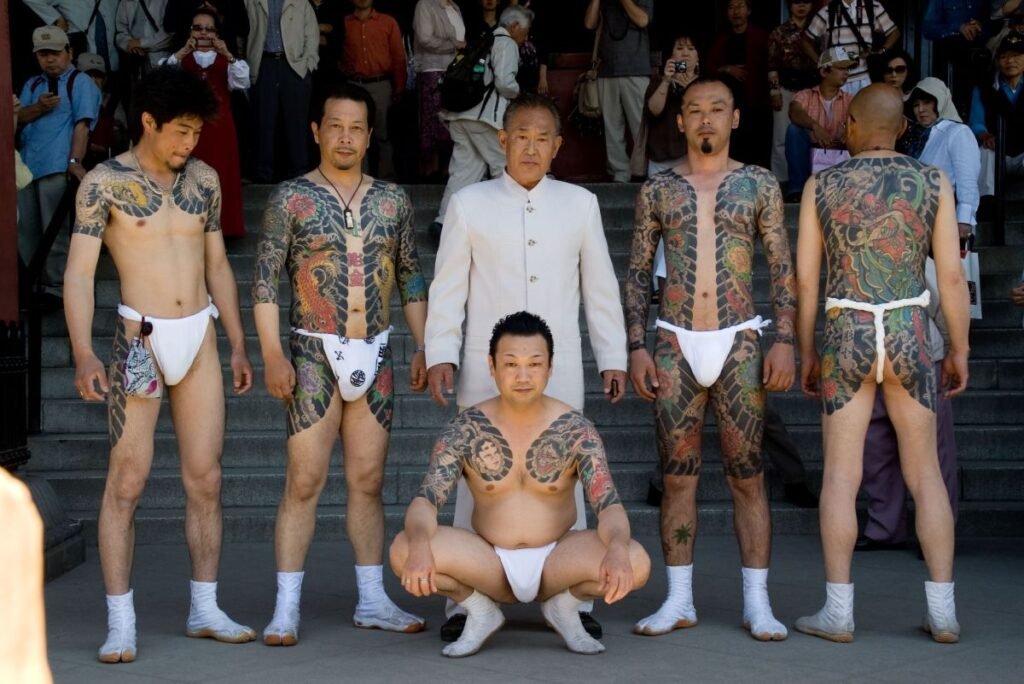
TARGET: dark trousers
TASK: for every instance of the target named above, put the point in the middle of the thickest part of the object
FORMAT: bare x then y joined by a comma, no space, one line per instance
278,89
781,449
883,478
798,158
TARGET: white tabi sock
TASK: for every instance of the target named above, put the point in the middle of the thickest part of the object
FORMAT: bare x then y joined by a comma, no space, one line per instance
835,620
677,611
563,612
483,618
283,629
120,644
206,619
941,620
375,610
757,611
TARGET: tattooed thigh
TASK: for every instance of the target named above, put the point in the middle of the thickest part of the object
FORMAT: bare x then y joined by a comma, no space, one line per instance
315,385
381,396
847,356
119,405
906,346
738,399
678,409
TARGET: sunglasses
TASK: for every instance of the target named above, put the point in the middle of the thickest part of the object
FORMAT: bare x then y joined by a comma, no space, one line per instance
204,28
901,69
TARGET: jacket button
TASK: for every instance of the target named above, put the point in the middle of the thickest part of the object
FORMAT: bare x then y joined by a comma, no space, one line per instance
533,279
531,243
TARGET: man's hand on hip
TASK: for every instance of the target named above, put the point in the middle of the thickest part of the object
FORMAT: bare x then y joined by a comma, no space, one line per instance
441,380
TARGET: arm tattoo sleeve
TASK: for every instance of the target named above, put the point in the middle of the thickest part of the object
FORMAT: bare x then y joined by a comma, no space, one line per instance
592,466
646,232
272,251
772,224
446,463
412,287
211,182
93,202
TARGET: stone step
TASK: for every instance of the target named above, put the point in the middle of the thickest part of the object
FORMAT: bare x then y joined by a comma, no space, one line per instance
256,524
265,447
83,489
978,407
1007,374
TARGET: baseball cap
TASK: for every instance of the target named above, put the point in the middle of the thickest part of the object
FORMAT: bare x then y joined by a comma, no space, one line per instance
837,57
90,61
49,38
1012,42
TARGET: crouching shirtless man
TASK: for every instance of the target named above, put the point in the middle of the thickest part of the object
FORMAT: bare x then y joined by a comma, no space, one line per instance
158,212
521,453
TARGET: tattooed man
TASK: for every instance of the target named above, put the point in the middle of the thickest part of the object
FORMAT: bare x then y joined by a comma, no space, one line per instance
706,351
521,547
345,239
523,242
875,218
158,213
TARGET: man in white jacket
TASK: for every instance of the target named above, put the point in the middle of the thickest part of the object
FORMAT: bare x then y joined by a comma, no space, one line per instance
523,242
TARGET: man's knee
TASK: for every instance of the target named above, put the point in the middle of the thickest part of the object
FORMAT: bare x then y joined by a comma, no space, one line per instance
746,488
305,483
641,562
366,482
203,486
124,488
680,485
398,552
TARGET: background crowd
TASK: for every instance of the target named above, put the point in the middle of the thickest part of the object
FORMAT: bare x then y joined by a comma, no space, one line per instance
267,60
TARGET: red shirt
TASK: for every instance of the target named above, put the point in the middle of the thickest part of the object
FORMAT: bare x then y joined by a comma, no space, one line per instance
373,48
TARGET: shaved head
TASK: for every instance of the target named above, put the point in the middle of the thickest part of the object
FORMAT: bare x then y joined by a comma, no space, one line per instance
875,119
878,107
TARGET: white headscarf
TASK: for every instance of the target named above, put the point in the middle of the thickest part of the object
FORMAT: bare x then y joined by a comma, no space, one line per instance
944,99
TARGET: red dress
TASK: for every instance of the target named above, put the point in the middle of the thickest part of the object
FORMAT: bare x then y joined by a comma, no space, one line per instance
218,144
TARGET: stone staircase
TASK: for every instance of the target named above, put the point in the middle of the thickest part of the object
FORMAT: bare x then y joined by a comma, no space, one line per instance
71,452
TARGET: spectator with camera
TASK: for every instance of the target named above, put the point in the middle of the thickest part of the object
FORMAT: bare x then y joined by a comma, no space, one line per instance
666,146
861,27
58,109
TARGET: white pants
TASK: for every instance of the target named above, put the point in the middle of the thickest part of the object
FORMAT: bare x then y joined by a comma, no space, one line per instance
622,103
987,179
780,120
476,152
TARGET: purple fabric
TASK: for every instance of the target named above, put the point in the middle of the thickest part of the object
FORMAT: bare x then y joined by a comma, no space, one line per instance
883,479
433,134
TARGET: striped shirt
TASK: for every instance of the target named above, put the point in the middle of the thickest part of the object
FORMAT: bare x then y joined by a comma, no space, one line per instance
841,34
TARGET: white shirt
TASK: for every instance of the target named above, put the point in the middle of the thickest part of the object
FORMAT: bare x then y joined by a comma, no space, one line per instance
238,71
952,147
506,249
455,17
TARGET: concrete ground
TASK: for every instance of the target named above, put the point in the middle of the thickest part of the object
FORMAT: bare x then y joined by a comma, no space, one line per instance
889,646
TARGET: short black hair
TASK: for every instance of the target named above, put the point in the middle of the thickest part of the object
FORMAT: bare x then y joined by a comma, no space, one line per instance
168,92
521,324
878,63
342,90
725,79
210,11
532,101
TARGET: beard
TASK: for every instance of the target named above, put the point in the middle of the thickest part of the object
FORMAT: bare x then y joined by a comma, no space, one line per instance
705,146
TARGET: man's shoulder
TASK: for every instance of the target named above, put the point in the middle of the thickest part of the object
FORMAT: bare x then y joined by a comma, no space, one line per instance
202,173
570,192
109,171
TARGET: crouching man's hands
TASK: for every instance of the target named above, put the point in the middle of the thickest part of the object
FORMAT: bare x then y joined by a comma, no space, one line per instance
418,575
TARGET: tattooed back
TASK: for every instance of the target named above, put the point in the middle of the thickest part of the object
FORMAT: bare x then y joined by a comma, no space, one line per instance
156,236
877,216
522,481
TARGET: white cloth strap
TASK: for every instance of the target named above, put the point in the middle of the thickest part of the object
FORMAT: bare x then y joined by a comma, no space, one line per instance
878,310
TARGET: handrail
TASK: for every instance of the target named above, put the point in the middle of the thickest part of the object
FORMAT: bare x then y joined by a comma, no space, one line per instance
30,303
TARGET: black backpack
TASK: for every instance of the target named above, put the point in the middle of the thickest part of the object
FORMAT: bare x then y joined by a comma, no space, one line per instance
462,87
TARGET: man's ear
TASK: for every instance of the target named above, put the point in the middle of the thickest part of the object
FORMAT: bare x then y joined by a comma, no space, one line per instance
490,361
502,138
735,119
315,127
558,146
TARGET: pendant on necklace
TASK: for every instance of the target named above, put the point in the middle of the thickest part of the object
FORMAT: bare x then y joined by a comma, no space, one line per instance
350,221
